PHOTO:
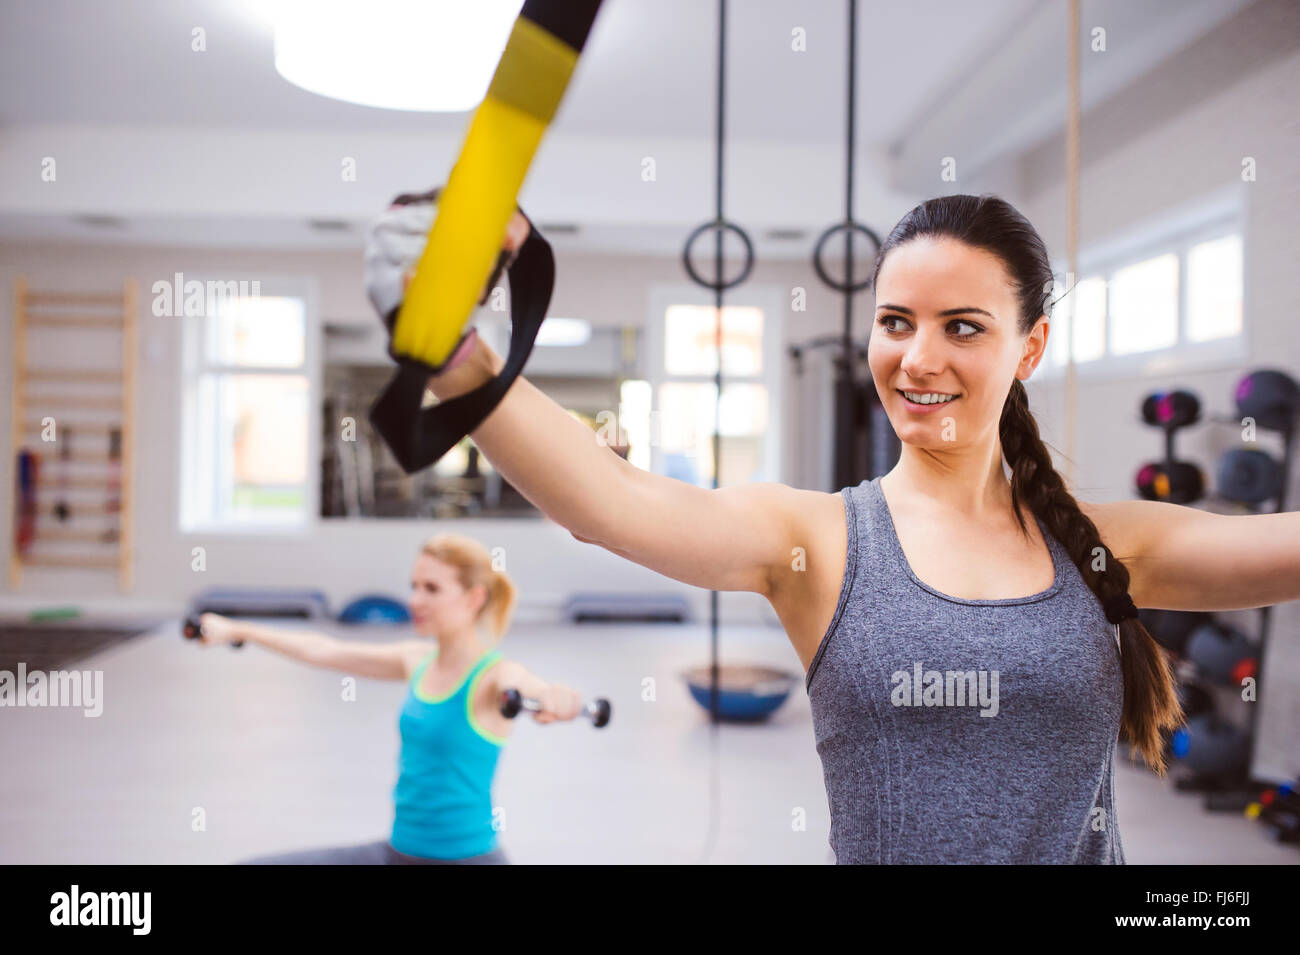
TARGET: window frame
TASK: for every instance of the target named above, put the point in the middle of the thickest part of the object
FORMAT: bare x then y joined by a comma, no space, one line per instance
770,299
1221,213
192,365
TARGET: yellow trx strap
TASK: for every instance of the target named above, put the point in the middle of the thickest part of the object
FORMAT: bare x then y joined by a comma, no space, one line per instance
473,211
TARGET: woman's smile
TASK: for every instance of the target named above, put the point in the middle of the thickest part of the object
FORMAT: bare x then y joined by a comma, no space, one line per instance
917,407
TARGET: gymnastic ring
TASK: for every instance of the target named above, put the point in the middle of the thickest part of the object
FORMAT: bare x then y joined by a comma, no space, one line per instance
713,225
822,274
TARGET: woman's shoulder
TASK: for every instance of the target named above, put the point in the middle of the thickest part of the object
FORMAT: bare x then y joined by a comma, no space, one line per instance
496,673
1119,524
809,510
495,667
415,653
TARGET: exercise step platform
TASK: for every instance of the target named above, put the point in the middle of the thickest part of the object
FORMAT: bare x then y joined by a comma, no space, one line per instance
627,608
261,602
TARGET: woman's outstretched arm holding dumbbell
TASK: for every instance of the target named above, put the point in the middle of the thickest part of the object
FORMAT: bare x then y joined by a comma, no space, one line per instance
558,702
379,661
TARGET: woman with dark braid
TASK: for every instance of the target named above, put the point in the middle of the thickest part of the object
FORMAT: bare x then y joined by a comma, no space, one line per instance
969,629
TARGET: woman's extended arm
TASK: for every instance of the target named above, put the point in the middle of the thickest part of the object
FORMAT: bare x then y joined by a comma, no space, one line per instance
1182,558
724,539
380,661
559,702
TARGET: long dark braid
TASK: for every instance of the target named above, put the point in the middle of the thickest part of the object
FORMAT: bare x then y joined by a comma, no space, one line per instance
1150,704
990,223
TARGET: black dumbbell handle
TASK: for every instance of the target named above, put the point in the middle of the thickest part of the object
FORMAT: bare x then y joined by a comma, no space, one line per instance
512,702
191,630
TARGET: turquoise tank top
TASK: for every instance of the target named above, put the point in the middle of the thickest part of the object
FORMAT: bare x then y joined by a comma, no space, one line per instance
443,802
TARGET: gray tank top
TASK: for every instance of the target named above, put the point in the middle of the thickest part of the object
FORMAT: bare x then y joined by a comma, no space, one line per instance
964,731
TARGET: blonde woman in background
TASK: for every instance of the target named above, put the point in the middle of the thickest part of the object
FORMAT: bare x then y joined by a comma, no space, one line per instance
451,726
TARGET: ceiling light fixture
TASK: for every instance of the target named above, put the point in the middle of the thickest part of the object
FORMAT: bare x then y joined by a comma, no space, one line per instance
427,55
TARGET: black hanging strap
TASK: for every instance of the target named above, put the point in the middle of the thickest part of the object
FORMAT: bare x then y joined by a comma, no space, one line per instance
420,436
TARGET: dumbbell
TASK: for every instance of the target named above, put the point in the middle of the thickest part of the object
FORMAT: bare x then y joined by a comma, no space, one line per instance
1285,823
1272,398
1279,809
1249,477
1282,795
1209,744
1178,482
191,630
512,702
1171,628
1223,654
1171,409
1195,699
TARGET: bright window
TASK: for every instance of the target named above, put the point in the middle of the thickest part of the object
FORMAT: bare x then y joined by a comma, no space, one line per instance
684,395
1214,289
1144,306
246,416
634,420
689,333
686,438
1168,295
1084,309
1090,319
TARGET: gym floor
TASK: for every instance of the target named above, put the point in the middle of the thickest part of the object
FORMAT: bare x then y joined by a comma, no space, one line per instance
212,756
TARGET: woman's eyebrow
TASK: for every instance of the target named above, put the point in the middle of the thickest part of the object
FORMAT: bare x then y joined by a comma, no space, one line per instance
947,311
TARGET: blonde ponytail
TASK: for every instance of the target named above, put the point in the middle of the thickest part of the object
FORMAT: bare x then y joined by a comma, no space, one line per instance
501,599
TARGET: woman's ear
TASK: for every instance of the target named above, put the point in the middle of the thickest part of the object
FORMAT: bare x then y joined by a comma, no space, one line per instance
1035,347
407,276
478,598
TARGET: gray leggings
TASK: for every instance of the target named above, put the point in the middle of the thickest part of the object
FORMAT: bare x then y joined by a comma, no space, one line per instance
371,853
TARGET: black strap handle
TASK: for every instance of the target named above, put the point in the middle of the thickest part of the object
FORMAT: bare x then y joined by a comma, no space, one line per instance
419,437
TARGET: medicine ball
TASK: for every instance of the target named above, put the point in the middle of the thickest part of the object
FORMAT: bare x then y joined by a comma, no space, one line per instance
1270,397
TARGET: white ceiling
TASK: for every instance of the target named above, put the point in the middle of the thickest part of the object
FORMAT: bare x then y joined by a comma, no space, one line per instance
648,68
138,120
